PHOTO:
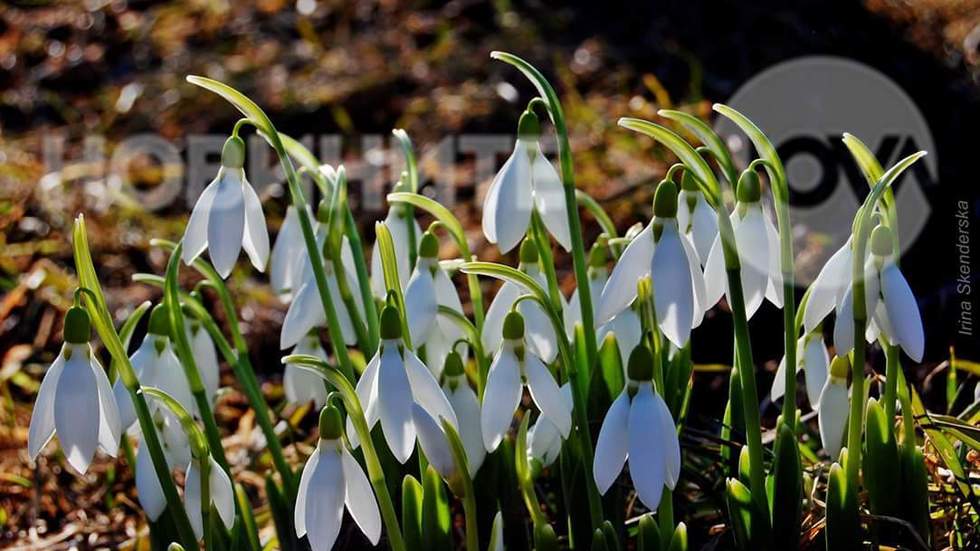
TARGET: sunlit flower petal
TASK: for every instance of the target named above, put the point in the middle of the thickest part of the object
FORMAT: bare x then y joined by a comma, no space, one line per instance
620,290
546,394
508,203
613,443
645,454
395,404
903,312
434,443
549,198
42,418
359,498
255,240
226,221
833,411
673,286
500,398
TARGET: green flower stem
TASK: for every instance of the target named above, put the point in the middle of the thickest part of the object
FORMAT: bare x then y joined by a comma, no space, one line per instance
474,340
363,338
523,472
363,279
95,304
892,367
597,212
412,170
548,94
262,122
187,361
469,494
375,472
540,236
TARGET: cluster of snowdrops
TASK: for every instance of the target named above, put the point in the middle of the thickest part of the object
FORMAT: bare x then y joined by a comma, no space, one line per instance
451,384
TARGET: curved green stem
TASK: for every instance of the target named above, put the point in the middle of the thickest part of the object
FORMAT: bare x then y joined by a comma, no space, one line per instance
469,495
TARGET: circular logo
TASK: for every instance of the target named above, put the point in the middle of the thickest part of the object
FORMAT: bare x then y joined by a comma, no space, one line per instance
805,105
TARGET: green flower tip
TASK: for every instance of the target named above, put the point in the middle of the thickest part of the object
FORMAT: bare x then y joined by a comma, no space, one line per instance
159,321
78,326
428,246
514,326
453,367
544,537
391,323
749,189
233,153
665,200
688,182
839,367
529,128
331,425
323,211
882,240
640,367
529,252
599,256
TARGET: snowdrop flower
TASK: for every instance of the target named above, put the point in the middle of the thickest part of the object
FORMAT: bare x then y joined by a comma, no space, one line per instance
156,365
813,360
527,182
221,493
544,440
75,401
514,367
302,386
148,489
757,242
397,223
827,290
435,444
331,480
890,304
833,408
206,357
393,380
661,252
466,405
427,290
228,217
541,338
696,218
306,310
288,254
625,326
639,426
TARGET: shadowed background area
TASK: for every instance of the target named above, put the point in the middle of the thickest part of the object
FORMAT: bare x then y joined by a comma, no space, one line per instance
77,80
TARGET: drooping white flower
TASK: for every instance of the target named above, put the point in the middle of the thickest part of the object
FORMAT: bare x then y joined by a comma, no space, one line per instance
397,223
306,310
544,440
514,367
890,305
435,445
466,405
527,182
393,380
288,254
331,480
205,356
668,257
228,217
757,242
541,337
639,426
222,494
695,217
827,290
834,407
75,401
148,489
427,290
300,385
813,360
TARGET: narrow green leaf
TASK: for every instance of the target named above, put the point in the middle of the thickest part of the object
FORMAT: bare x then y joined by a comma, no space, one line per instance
441,213
709,138
412,512
241,102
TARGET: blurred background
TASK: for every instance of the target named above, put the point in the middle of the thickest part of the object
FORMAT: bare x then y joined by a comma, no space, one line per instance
88,88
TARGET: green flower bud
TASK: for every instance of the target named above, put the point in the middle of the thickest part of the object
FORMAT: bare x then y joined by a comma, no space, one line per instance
428,246
453,367
749,189
529,252
640,366
882,240
331,424
544,537
665,200
391,323
233,153
529,128
78,326
514,326
839,367
598,256
159,321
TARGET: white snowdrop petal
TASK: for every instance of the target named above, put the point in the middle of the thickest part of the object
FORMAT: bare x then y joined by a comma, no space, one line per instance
633,264
669,442
778,388
715,276
508,204
283,265
467,408
325,501
426,392
255,240
704,228
774,288
148,489
613,443
222,493
844,326
833,411
434,442
110,429
544,441
395,405
76,411
196,233
347,332
816,363
903,312
226,222
359,498
697,281
672,287
646,456
207,360
493,324
305,313
192,498
546,394
42,417
500,398
549,199
539,332
497,533
831,283
302,387
753,252
420,303
303,491
367,395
